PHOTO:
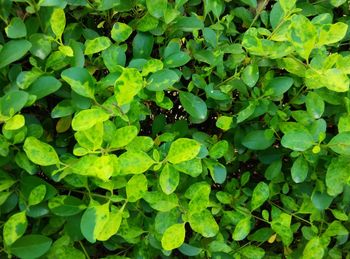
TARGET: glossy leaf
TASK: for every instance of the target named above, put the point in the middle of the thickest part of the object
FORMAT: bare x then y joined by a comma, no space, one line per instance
299,170
120,32
13,50
162,80
31,246
250,75
194,105
16,28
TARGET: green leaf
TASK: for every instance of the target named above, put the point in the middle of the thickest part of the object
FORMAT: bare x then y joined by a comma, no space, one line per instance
219,149
14,227
102,167
44,86
204,223
177,59
97,45
224,122
252,252
183,149
157,8
191,167
279,85
120,32
91,138
258,139
58,22
340,143
298,141
37,195
123,136
250,74
336,229
321,201
199,195
190,250
331,33
162,80
39,152
112,226
16,28
134,162
152,66
335,80
65,206
287,5
160,201
294,66
246,112
299,170
31,246
169,179
127,86
313,249
86,119
147,23
41,45
281,225
337,3
302,35
12,102
261,194
136,187
194,105
66,50
16,122
62,109
174,236
242,229
337,175
93,221
80,80
13,50
142,45
314,105
217,6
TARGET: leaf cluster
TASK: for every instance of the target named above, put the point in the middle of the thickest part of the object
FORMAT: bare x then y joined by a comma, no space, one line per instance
174,129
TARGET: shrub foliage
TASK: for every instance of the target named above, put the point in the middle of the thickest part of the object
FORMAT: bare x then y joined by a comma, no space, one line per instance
180,128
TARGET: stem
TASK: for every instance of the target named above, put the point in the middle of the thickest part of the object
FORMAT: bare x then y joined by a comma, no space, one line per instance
292,214
258,12
84,250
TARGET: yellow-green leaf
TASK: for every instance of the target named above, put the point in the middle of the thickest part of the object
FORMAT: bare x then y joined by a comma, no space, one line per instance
14,227
16,122
39,152
86,119
127,86
183,149
174,236
58,22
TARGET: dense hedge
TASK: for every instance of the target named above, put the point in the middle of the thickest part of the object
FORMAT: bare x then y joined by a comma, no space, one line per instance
180,128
